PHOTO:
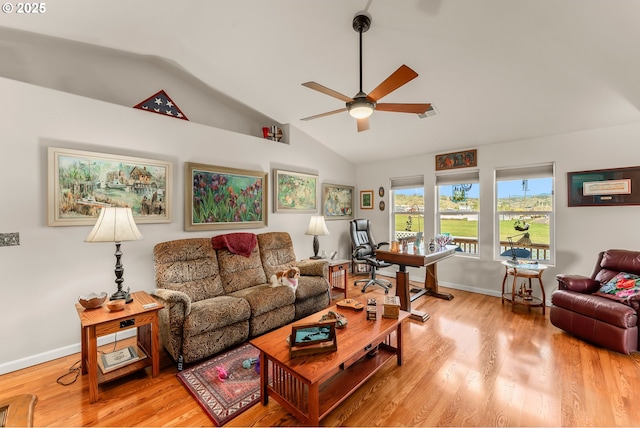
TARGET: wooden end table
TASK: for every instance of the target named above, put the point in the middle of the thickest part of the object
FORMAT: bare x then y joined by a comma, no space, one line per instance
528,271
140,314
311,386
338,270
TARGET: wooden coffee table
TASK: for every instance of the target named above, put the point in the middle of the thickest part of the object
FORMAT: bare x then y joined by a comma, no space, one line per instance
311,386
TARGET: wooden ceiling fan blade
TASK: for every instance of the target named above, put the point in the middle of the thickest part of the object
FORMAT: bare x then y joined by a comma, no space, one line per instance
403,108
318,87
398,78
363,124
325,114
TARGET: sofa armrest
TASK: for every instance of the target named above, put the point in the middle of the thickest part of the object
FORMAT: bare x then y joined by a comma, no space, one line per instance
171,298
311,267
578,283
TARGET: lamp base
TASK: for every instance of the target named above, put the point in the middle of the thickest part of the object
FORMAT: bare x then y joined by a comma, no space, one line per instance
122,295
315,257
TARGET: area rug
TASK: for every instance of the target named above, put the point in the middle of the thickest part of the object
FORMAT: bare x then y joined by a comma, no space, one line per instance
224,400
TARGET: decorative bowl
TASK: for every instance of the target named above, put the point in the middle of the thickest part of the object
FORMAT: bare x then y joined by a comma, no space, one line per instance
92,300
116,305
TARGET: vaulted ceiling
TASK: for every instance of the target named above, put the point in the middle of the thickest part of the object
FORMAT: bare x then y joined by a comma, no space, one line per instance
495,70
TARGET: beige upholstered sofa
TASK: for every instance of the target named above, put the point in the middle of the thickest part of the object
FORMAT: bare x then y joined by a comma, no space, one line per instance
214,299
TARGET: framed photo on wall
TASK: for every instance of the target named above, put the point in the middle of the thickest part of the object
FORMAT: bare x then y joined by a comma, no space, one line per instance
81,183
602,187
219,198
337,201
366,199
295,192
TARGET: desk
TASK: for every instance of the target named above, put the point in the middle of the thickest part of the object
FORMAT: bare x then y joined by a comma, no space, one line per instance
429,260
100,322
524,296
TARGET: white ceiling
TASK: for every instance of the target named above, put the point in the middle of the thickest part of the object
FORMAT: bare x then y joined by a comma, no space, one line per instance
496,70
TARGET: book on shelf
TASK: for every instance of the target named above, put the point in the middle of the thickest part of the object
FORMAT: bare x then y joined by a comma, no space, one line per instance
122,357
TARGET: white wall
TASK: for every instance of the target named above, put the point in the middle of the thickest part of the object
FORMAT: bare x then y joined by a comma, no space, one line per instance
581,232
41,279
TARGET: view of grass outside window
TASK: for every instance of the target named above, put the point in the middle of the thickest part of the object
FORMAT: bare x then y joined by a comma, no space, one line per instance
458,211
408,212
525,216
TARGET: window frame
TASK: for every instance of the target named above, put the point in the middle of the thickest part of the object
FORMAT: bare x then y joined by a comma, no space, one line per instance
452,179
526,172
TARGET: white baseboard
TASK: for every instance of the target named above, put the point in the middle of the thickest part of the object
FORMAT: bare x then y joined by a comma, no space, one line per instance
494,293
32,360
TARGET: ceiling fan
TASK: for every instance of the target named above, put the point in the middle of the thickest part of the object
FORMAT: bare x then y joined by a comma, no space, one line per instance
362,105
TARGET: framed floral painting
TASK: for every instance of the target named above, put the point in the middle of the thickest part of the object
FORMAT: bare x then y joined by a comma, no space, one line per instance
295,192
217,197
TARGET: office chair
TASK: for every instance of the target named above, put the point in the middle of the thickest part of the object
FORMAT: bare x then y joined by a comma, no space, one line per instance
364,247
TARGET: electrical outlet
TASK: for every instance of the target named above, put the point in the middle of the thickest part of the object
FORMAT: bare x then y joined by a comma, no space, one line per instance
9,239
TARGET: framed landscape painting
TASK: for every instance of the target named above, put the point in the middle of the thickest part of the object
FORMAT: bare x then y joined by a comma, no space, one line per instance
295,192
81,183
224,198
337,202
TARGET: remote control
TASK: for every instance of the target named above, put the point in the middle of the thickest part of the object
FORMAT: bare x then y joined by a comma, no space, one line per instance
149,305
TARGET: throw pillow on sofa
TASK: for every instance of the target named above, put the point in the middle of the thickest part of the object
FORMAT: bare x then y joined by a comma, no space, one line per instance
624,287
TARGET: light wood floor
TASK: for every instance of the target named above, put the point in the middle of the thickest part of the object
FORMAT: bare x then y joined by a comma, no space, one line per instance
473,363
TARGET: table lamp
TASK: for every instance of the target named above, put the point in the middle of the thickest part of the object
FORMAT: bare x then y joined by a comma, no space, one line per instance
115,224
317,227
525,241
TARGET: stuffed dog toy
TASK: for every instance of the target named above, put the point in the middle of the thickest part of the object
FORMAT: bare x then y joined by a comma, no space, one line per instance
287,277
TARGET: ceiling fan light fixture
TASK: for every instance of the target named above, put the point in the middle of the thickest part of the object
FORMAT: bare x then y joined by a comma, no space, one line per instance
361,107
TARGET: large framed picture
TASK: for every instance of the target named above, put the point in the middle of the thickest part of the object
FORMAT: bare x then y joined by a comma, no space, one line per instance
81,183
224,198
337,201
616,186
295,192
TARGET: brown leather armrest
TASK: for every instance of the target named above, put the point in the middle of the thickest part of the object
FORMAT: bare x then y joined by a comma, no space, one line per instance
577,283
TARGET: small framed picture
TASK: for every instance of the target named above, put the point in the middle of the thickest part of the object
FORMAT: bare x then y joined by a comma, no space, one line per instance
313,338
366,199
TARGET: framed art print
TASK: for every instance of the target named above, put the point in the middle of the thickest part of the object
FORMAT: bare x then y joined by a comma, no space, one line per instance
616,186
366,199
81,183
464,159
337,201
217,198
295,192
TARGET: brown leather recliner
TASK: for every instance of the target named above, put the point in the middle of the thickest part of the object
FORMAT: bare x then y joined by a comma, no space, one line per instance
605,320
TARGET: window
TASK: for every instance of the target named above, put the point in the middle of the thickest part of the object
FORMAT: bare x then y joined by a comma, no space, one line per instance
458,208
525,213
407,197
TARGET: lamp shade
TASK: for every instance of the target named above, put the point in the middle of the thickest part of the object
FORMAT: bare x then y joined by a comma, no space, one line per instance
317,226
525,241
115,224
